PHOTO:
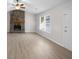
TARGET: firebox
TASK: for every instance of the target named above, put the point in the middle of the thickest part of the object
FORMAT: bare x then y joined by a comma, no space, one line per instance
17,27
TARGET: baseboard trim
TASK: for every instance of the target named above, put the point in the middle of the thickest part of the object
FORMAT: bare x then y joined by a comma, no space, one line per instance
54,41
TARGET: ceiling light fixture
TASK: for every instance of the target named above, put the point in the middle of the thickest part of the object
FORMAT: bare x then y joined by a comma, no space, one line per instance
20,4
17,7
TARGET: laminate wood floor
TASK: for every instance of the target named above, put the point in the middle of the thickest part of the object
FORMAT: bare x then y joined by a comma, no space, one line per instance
34,46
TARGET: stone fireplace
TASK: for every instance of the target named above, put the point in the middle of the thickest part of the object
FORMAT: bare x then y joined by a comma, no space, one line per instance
17,21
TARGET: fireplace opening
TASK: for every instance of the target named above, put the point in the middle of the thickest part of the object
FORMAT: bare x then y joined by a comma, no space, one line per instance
17,27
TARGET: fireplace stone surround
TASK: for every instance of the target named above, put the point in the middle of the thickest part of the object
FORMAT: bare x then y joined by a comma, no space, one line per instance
17,21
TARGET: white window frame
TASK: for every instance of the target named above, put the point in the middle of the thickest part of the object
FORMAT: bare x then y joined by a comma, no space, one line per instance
43,26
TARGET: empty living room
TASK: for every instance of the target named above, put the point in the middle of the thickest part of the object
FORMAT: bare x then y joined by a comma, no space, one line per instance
39,29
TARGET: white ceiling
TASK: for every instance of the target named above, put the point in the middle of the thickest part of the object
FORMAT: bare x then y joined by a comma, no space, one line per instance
38,6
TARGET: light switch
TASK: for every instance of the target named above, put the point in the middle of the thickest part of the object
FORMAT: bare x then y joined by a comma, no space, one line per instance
65,30
65,26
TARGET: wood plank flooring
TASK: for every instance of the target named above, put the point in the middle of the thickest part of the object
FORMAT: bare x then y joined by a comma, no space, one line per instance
34,46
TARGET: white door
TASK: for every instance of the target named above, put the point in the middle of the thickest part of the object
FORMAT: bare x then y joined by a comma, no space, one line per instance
67,29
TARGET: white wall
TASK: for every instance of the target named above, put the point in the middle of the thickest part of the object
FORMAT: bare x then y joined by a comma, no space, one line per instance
29,22
56,33
8,21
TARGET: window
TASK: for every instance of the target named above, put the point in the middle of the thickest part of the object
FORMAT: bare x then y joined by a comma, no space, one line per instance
45,23
42,24
48,24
